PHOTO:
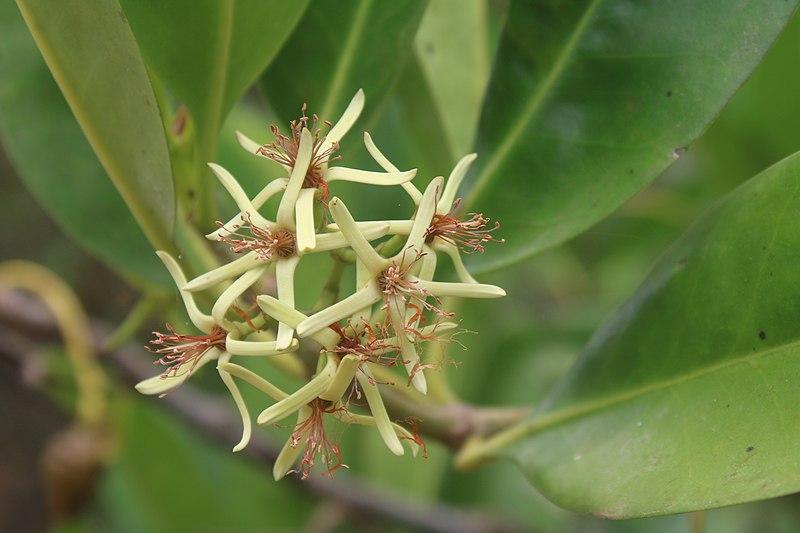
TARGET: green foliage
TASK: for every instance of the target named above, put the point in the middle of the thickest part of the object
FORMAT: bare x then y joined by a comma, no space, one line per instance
208,54
45,143
693,380
338,48
116,109
589,103
685,399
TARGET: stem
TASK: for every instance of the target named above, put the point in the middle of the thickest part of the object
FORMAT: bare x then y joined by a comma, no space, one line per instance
141,311
392,246
698,522
73,324
330,291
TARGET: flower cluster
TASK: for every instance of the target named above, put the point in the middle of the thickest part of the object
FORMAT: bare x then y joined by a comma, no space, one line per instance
396,307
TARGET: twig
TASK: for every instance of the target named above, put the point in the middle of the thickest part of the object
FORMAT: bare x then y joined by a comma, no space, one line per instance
213,418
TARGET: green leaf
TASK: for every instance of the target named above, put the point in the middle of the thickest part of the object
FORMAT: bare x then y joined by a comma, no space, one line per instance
54,159
687,397
338,48
92,54
160,457
454,46
209,53
591,100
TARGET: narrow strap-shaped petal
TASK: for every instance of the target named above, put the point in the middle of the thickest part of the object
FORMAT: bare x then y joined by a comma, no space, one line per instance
247,143
378,410
453,183
330,315
337,239
290,451
427,263
255,380
284,278
372,260
240,197
286,208
271,189
253,147
368,177
235,346
304,221
393,227
342,379
201,321
247,262
316,386
232,293
462,290
161,384
426,271
381,159
247,425
364,420
345,122
396,309
360,315
458,263
422,220
283,313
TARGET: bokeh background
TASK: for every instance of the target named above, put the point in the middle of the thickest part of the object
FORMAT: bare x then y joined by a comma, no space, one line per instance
164,476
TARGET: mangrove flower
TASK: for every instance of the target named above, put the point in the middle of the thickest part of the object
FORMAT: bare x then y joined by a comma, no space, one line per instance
357,339
448,232
311,167
391,281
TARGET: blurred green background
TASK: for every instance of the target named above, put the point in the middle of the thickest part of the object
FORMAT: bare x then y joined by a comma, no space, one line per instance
165,477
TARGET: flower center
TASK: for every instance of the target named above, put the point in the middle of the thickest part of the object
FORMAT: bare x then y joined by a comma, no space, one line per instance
177,350
247,237
468,232
284,149
371,345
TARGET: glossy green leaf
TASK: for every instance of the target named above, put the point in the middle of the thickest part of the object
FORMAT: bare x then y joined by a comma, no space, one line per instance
591,100
454,46
92,54
52,156
209,53
338,48
167,477
687,397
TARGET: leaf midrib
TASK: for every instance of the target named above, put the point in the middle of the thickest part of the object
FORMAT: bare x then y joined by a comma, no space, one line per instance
147,219
220,62
346,58
551,420
534,105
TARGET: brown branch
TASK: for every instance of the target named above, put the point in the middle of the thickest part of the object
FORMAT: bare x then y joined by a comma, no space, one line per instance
213,418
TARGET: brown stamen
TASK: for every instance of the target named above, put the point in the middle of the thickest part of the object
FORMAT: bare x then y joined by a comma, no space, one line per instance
264,242
317,443
370,345
468,232
177,350
393,282
284,150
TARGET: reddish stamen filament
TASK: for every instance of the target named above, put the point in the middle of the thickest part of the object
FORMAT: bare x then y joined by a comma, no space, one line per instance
468,232
177,350
284,150
260,240
317,442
